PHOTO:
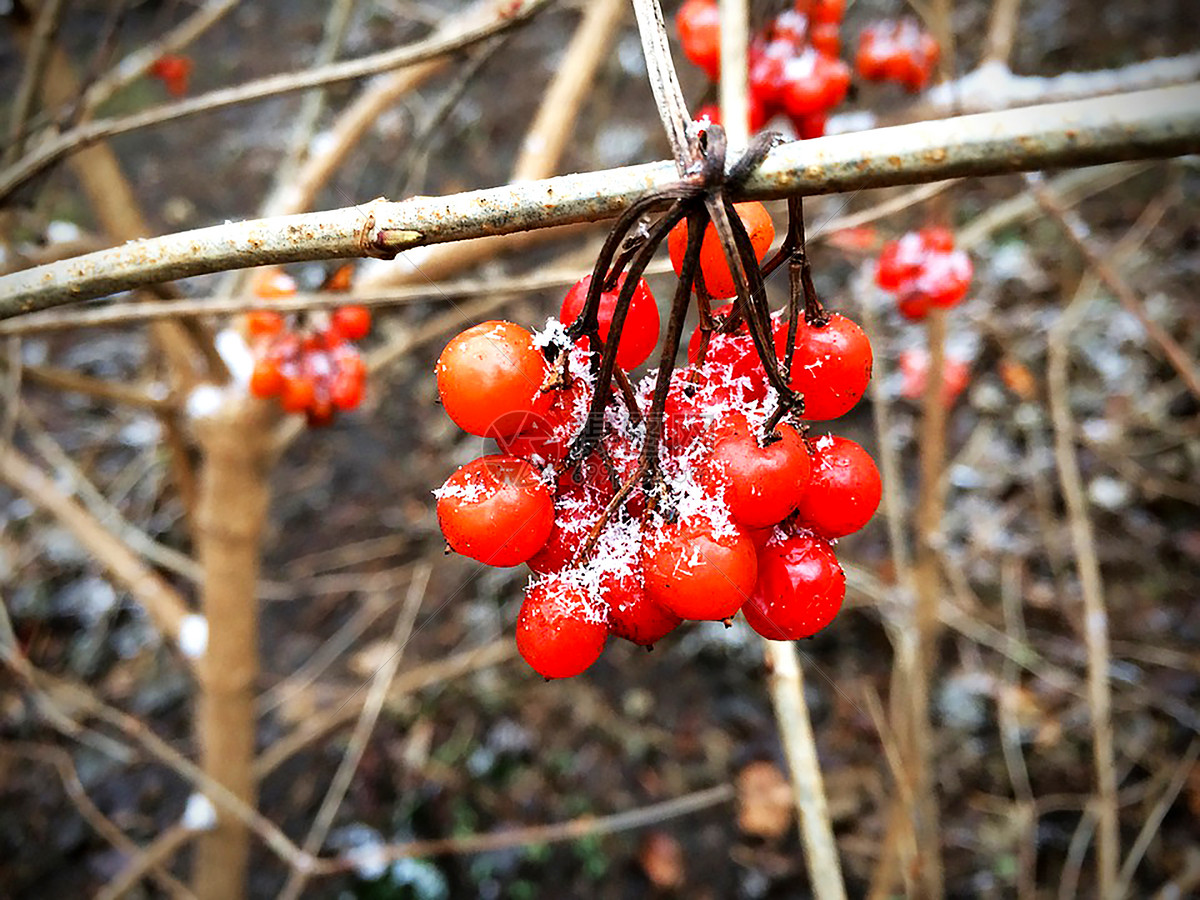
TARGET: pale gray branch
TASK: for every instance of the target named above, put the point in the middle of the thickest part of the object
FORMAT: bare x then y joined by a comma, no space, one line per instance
1158,123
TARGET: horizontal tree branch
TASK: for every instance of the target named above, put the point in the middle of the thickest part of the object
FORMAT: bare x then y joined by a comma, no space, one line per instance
1147,124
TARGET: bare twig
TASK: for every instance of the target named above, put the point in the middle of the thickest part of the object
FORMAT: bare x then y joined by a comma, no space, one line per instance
138,63
41,44
381,683
1095,613
1153,821
155,855
1097,259
272,86
113,391
574,829
313,103
64,765
137,731
1002,29
317,726
732,90
165,607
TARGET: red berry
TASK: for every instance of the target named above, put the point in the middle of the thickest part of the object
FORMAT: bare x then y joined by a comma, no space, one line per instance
496,509
272,283
632,615
844,490
297,394
825,38
266,380
814,83
548,437
897,51
697,571
560,629
914,371
639,335
577,509
828,11
717,277
761,484
346,390
831,365
351,322
174,71
263,323
699,25
490,379
731,356
800,588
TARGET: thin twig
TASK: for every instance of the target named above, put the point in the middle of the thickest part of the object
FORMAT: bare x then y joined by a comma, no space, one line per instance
64,765
434,673
90,132
381,683
165,607
584,826
138,63
1153,821
1095,614
1097,259
155,855
313,103
41,45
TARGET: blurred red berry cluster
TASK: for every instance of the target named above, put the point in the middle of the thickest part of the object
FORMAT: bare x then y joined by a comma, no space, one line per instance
925,271
794,67
312,369
899,51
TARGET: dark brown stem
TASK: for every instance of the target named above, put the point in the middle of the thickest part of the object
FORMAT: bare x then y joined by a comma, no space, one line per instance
594,427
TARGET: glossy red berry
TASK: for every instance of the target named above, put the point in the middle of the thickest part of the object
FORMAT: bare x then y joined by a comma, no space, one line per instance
577,510
351,322
831,365
761,482
730,356
699,26
632,615
639,334
560,629
800,588
844,490
717,278
490,379
697,571
814,83
496,509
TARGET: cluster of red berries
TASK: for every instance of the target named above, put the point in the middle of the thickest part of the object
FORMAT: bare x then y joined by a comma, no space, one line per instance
174,71
794,67
733,516
899,51
925,271
315,371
